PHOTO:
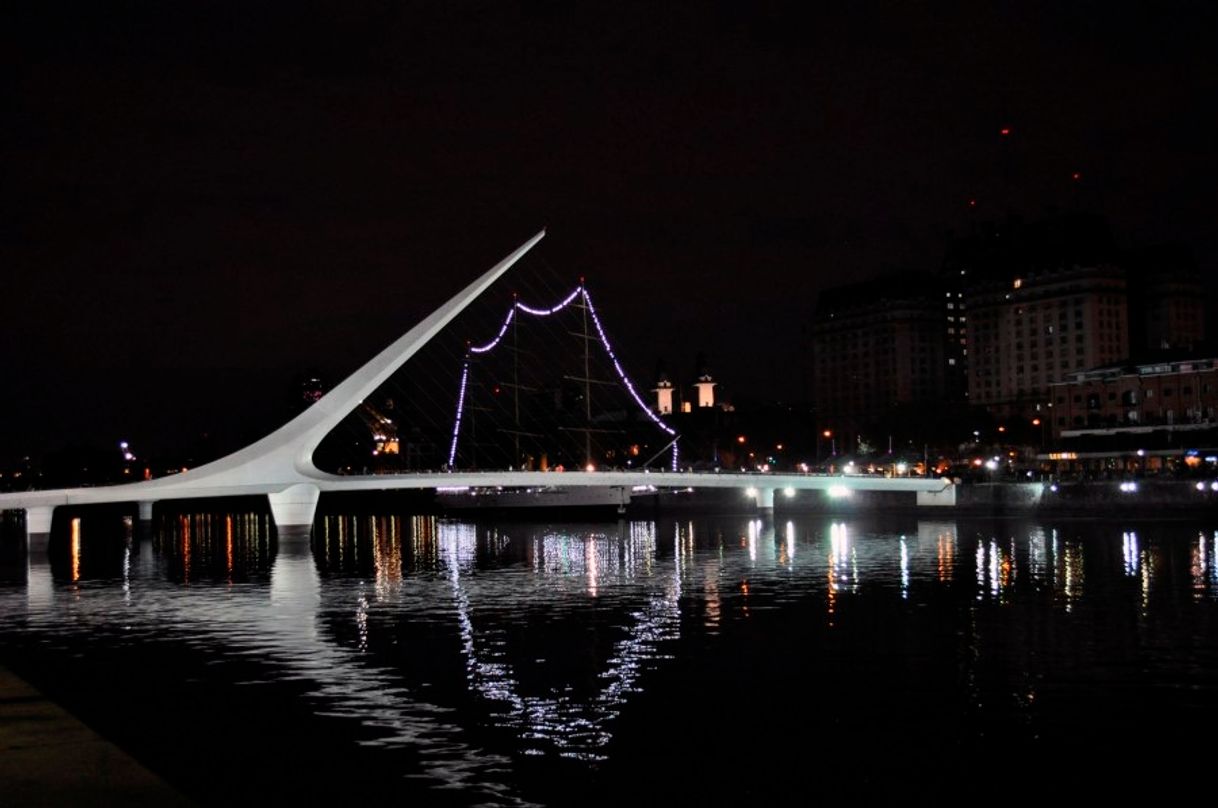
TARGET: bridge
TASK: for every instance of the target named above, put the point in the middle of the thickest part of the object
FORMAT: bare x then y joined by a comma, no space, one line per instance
280,466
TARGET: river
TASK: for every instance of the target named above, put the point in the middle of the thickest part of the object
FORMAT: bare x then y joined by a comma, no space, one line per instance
717,659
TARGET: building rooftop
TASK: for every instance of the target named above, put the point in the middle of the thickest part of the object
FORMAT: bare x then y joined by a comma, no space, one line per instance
896,287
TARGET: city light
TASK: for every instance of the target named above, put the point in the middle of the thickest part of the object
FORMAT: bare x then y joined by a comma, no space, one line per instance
838,492
1129,487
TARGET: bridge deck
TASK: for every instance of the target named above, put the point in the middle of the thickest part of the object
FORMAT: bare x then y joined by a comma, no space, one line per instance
165,488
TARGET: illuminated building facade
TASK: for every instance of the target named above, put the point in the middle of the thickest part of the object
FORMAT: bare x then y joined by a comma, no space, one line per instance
1044,299
1030,332
1164,396
663,391
706,390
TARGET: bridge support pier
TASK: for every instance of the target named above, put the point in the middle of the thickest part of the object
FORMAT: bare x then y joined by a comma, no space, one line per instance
938,499
38,529
143,527
623,499
293,509
765,501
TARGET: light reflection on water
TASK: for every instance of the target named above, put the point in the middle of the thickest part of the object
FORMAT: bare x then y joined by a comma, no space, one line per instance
557,632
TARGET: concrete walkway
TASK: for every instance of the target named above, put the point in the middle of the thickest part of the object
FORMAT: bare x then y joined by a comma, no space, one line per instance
48,758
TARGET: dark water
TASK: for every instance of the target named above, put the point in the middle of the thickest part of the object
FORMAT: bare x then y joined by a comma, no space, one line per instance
712,661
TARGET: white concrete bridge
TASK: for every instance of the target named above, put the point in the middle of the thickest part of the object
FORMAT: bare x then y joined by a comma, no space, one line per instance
280,466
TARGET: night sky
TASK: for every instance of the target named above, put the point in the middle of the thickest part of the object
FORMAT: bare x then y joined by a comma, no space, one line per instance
201,201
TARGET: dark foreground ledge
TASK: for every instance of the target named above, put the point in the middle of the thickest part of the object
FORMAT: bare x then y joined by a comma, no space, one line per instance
49,758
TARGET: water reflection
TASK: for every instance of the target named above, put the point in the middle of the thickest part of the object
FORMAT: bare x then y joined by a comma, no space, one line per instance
1038,556
214,547
561,717
90,548
480,645
1204,566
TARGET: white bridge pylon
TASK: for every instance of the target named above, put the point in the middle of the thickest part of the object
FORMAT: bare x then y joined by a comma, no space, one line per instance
281,464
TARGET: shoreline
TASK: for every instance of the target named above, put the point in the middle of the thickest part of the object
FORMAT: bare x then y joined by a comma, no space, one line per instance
50,757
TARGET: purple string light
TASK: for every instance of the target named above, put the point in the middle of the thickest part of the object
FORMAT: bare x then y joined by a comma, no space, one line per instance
596,320
503,330
555,310
452,451
621,373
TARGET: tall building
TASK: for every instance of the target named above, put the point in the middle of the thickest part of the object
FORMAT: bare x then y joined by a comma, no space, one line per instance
706,390
876,345
663,391
1053,301
970,259
1167,300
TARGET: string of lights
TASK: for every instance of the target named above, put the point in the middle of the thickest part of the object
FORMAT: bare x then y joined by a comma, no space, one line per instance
477,349
452,451
621,373
555,309
517,306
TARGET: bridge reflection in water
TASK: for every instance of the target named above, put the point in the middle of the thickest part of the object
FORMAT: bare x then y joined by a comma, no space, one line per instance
483,648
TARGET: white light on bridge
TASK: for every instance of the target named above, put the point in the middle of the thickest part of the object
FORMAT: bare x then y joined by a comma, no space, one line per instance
789,492
750,492
838,492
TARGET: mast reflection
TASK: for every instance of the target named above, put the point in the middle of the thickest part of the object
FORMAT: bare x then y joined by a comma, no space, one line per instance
559,718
